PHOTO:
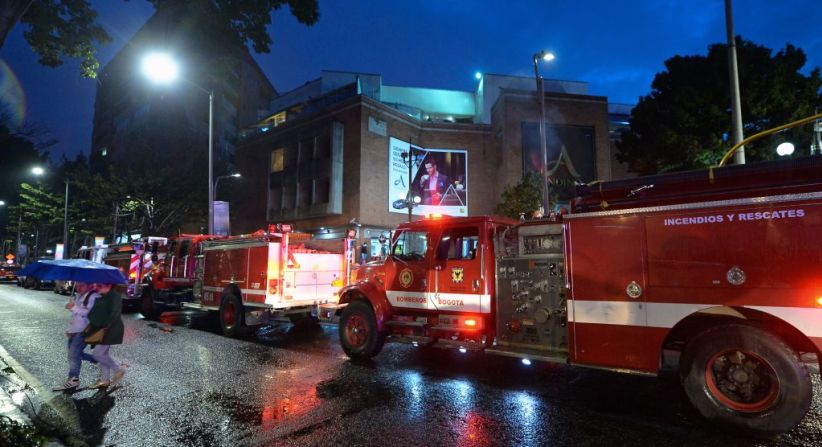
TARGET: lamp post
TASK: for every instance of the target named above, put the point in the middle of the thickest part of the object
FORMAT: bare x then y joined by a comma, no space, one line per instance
545,56
220,177
162,69
410,200
38,171
65,223
733,75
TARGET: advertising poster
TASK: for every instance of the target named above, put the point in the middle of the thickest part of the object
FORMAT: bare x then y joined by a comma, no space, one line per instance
571,156
437,184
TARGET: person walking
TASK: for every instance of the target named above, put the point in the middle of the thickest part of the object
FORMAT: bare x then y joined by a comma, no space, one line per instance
79,306
106,314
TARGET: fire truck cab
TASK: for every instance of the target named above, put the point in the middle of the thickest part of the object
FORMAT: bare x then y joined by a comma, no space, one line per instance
721,265
136,260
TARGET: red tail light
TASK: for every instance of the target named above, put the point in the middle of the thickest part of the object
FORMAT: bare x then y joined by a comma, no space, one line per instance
273,286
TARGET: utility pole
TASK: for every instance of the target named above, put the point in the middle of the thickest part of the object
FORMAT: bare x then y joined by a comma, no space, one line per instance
733,74
65,224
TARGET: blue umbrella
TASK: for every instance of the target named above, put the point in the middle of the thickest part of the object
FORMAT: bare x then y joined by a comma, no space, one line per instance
77,270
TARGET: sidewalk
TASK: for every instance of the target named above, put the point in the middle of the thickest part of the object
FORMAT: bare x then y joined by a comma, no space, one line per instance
14,398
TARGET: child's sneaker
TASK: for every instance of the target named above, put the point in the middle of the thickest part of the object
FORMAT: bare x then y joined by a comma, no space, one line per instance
71,384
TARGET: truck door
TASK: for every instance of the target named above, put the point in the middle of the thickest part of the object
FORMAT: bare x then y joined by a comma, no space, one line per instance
608,288
458,284
408,284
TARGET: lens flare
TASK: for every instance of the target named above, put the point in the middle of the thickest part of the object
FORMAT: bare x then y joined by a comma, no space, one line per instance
12,96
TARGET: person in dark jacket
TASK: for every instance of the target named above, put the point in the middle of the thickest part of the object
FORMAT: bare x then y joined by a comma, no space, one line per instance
106,313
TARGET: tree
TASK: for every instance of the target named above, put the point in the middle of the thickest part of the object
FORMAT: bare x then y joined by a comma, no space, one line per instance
685,121
68,28
56,29
523,198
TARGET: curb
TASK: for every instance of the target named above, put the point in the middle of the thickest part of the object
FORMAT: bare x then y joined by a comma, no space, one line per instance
31,402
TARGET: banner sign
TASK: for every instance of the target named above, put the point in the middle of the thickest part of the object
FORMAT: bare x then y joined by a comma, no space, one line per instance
438,181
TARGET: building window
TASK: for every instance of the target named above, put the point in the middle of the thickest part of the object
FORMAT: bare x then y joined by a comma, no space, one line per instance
306,149
275,199
322,190
323,147
305,193
289,197
278,160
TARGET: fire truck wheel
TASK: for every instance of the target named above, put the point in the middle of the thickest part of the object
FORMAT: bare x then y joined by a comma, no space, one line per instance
358,331
746,377
147,306
232,315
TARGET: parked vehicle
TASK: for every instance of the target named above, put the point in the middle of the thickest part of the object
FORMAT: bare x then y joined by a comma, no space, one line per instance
721,265
8,272
30,282
250,279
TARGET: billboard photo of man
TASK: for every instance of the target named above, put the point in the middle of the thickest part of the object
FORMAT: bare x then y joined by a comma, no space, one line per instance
432,184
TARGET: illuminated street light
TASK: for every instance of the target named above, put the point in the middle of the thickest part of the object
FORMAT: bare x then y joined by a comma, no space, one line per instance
161,69
785,148
220,177
37,170
544,56
478,76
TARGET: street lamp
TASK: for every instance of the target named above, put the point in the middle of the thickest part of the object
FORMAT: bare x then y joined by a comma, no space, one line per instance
410,200
544,56
162,69
220,177
38,171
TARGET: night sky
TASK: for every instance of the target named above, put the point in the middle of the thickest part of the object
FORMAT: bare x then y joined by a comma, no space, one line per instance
617,47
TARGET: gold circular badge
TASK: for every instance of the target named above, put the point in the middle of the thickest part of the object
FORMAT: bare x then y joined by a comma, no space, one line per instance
406,278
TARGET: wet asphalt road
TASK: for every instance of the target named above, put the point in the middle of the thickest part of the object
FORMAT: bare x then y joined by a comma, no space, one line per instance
285,386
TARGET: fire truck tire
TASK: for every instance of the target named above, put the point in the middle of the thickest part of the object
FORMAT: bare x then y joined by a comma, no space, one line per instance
232,315
358,331
147,306
746,377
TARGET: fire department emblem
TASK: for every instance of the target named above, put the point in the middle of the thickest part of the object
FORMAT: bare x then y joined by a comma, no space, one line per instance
406,278
457,273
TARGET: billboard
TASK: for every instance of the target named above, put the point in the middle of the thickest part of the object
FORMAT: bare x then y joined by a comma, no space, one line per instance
438,181
571,156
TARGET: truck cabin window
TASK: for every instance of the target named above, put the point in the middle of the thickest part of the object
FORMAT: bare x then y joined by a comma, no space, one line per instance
411,245
458,244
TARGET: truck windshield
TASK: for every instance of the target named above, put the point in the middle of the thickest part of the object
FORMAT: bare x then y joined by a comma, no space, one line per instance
411,245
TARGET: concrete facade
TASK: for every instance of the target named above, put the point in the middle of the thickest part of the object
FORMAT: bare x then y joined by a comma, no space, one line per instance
494,153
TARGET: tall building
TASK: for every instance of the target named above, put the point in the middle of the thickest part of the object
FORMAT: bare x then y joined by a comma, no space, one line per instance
135,120
335,151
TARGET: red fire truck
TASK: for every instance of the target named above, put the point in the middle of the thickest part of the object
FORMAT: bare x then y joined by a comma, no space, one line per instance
251,279
136,261
720,265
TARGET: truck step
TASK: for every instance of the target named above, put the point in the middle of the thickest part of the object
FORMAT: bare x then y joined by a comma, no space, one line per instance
444,343
531,354
416,340
402,323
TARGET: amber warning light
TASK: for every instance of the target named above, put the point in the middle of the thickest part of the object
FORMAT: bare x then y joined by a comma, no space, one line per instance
819,301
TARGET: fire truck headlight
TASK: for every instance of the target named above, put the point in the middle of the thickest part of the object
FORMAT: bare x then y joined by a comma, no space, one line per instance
463,350
526,362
